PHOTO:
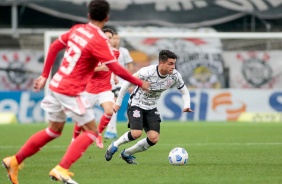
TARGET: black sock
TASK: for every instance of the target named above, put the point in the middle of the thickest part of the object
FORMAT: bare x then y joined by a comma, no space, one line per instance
150,142
130,136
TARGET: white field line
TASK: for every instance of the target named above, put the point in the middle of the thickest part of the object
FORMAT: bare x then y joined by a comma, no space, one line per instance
188,144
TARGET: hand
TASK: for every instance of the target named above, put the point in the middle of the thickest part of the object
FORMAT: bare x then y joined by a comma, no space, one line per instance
39,83
104,67
187,110
145,85
116,80
116,107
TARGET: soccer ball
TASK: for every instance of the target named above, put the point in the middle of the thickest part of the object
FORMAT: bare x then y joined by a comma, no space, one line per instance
178,156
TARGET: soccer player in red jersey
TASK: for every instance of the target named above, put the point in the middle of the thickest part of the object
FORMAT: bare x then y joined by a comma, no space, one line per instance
86,45
99,89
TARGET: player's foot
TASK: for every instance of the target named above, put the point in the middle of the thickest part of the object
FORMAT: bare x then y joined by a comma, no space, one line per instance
12,167
60,174
110,151
130,159
110,135
99,141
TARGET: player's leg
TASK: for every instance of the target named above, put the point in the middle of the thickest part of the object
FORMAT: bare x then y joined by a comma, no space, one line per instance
39,139
79,109
76,131
78,147
92,99
111,131
152,128
106,100
135,118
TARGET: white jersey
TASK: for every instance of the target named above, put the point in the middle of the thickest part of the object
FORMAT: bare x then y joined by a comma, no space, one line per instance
123,59
158,84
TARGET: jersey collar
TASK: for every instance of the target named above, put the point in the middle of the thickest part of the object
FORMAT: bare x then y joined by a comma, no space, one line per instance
161,76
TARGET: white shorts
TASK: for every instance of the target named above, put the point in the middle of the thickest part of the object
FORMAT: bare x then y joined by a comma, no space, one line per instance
60,106
106,96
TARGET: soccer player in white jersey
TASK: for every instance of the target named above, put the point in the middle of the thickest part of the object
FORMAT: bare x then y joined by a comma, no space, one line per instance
142,106
126,61
86,45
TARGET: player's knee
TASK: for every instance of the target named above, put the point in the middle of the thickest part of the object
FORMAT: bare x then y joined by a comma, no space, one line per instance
109,111
136,133
56,127
154,138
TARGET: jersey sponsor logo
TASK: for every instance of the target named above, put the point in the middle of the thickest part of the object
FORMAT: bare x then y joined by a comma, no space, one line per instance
136,113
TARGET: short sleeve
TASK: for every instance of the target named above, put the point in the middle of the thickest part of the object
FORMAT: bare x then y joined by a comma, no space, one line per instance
143,73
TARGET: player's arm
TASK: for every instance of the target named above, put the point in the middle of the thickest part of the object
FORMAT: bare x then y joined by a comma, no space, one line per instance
123,90
186,99
185,93
54,48
103,52
123,73
103,67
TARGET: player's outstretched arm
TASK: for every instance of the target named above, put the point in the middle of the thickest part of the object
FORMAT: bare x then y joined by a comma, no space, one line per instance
123,73
121,94
186,99
39,83
54,48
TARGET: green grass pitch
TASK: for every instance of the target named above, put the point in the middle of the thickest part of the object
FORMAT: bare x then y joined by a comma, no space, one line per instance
218,153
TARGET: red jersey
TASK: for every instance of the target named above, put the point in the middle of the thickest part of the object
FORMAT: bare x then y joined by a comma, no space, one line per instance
86,46
101,80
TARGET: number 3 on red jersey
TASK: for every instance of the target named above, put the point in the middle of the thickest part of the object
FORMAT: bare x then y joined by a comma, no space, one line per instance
71,55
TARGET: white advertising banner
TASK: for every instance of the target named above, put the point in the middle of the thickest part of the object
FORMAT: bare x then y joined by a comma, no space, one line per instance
18,69
254,69
199,59
219,105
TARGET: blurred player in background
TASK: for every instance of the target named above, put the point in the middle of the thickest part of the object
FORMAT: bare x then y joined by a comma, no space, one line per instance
126,61
142,106
86,45
99,88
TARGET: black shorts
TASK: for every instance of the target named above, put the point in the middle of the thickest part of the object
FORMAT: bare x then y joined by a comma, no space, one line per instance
139,119
116,91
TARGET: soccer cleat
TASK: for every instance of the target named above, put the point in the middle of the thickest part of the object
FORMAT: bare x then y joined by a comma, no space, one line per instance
110,135
99,142
60,174
129,159
12,167
110,151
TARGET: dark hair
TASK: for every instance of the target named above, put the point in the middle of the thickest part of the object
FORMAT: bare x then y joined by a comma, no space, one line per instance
164,55
98,9
108,30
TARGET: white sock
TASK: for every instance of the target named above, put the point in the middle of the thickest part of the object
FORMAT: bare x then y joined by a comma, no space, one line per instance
141,145
122,140
112,126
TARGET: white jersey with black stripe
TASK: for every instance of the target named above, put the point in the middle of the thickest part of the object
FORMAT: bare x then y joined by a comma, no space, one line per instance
148,99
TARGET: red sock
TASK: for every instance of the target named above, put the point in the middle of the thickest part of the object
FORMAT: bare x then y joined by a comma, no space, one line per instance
105,119
35,143
76,131
77,148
